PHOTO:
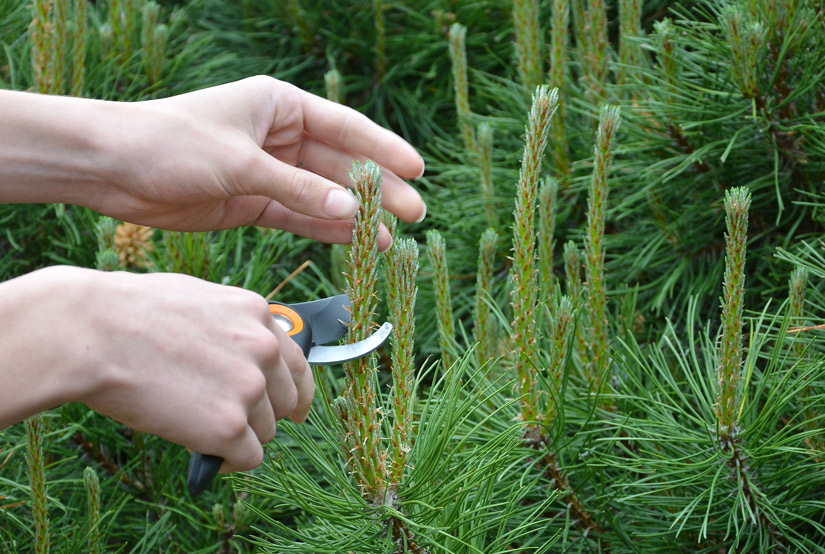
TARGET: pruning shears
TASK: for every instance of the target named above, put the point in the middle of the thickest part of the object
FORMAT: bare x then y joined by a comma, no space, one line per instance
312,325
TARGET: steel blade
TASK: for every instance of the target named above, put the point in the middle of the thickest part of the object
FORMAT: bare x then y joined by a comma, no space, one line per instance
328,355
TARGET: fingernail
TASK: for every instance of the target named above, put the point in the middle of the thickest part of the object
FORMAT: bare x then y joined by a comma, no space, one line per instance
420,175
341,204
388,246
423,215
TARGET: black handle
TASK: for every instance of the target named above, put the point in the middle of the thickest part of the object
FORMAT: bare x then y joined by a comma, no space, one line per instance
202,469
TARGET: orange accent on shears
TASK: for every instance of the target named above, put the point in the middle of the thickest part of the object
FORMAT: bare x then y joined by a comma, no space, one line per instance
291,315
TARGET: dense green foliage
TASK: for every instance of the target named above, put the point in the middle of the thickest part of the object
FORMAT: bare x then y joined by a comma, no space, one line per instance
651,377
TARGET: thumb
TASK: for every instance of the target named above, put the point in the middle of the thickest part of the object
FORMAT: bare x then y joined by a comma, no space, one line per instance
298,189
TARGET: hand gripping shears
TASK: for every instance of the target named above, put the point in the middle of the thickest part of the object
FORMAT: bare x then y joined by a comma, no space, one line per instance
312,325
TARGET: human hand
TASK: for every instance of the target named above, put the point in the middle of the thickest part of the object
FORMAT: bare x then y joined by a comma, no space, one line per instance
258,151
199,364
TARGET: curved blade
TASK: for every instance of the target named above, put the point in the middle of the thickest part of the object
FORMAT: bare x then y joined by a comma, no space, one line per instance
328,355
328,317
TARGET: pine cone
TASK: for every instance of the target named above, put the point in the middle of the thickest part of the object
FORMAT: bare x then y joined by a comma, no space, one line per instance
132,243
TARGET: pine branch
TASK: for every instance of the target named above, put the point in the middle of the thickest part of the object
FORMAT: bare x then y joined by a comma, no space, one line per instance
797,285
358,410
332,80
598,364
458,56
35,460
581,517
437,254
631,55
559,60
593,30
93,498
484,325
523,273
528,42
401,271
561,329
485,155
79,48
737,204
548,208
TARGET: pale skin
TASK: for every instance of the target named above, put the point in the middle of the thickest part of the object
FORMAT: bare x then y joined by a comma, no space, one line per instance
196,363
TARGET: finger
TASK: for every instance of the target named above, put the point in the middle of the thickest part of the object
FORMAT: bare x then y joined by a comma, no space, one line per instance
305,383
276,216
349,130
281,387
283,395
299,373
300,190
246,454
396,196
262,420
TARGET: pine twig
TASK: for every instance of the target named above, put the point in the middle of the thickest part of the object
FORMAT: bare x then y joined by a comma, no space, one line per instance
819,327
484,325
560,37
92,484
485,154
595,249
561,329
548,208
41,39
592,30
437,254
106,462
631,55
37,478
380,40
523,273
797,285
401,271
300,269
529,45
332,80
79,48
737,204
154,38
458,57
359,414
572,272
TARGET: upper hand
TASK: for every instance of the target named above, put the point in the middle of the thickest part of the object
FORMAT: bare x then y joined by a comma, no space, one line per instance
254,152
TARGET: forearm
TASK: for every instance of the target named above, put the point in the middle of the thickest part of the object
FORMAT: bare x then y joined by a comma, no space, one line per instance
45,353
53,148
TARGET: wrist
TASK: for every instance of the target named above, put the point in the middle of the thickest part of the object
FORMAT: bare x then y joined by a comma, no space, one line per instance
48,343
53,148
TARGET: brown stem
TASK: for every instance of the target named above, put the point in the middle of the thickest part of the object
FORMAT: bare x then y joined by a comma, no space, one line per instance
558,479
89,448
744,475
675,132
403,538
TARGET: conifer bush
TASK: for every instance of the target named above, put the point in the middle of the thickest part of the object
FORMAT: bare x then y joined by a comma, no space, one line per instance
608,330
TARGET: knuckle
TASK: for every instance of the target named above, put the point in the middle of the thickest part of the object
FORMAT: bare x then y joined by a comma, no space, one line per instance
266,349
252,387
301,187
233,425
253,303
